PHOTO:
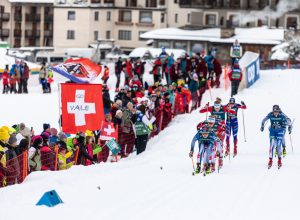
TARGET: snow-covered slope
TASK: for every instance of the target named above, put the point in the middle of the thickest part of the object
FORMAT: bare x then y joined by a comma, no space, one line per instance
137,188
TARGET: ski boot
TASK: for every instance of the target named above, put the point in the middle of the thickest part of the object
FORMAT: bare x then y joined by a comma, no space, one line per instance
284,151
227,151
279,163
198,168
212,167
270,163
235,151
220,163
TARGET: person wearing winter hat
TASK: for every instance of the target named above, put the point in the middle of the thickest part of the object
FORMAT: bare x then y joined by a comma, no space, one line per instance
54,137
62,137
22,146
25,132
46,127
63,156
22,126
47,155
4,136
12,141
11,161
84,158
193,87
34,154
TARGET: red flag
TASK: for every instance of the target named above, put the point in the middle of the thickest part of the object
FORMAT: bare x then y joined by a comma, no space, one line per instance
108,131
82,107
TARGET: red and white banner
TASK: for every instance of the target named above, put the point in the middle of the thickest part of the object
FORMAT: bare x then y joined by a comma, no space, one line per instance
108,131
82,107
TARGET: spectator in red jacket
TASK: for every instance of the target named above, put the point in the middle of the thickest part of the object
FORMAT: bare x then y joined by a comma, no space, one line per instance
5,77
218,71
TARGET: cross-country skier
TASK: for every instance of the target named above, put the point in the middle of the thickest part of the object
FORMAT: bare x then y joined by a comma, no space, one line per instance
278,121
217,110
206,141
218,128
232,124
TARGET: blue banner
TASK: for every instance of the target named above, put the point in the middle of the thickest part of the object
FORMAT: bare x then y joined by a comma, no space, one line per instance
252,72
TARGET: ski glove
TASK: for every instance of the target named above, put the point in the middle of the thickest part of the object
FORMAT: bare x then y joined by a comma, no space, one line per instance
191,154
290,129
243,103
262,128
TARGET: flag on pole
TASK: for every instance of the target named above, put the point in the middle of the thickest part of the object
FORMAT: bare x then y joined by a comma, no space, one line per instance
82,107
108,131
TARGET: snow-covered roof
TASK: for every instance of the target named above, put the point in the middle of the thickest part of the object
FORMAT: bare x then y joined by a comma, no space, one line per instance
180,34
32,1
155,52
256,35
8,60
101,46
280,55
280,46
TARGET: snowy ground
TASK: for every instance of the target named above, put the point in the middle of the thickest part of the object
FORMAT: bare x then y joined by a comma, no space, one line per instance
137,188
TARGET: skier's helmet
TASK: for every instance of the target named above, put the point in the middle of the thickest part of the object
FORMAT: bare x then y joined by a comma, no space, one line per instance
211,119
232,100
204,131
217,105
276,108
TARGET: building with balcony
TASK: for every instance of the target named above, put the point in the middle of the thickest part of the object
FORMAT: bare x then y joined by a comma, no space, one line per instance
230,14
80,23
30,22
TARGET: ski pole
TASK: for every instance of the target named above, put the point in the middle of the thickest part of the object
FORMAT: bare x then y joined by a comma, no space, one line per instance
193,163
291,137
291,143
207,109
244,126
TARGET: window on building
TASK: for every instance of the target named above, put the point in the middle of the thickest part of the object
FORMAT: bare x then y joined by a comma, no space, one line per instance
180,45
235,4
95,1
151,3
161,2
262,4
108,35
109,1
70,35
210,19
125,16
291,22
108,16
71,15
175,1
145,17
124,35
96,16
164,44
262,22
189,17
234,20
131,3
176,18
162,18
140,33
96,35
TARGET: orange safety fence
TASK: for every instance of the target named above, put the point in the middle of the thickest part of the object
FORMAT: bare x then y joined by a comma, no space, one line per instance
14,170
